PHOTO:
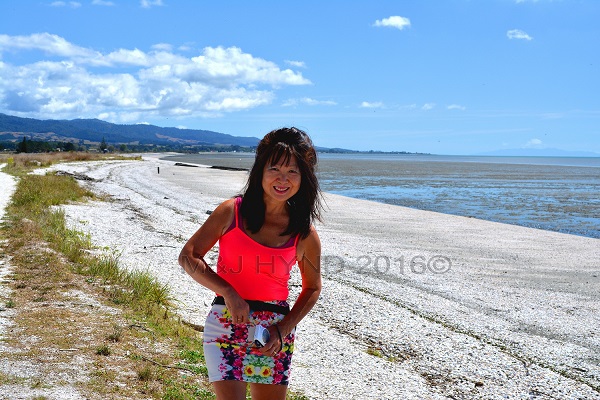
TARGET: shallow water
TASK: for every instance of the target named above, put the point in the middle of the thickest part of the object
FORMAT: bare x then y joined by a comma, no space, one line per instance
552,193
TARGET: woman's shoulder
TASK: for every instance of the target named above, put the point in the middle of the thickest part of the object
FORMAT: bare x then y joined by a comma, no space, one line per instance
309,248
226,206
312,239
224,213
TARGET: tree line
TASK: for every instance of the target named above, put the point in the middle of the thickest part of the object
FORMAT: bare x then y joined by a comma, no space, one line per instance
39,146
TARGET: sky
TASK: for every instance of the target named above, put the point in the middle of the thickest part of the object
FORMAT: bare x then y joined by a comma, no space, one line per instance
444,77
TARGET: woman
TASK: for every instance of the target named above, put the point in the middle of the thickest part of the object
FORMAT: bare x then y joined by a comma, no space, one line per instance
261,235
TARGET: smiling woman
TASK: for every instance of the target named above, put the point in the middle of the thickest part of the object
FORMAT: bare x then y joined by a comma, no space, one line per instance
282,179
262,235
275,154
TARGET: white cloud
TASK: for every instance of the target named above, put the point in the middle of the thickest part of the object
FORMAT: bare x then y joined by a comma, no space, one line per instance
394,21
162,47
535,1
428,106
291,103
131,84
552,115
185,47
150,3
534,143
456,107
50,44
367,104
103,3
518,34
230,65
309,102
72,4
297,64
408,107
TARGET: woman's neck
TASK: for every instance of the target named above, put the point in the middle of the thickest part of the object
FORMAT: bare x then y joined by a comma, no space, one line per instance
275,208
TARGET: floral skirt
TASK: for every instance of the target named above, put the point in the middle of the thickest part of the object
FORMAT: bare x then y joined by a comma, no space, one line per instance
231,355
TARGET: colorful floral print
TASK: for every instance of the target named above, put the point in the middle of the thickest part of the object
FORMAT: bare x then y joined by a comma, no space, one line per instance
230,354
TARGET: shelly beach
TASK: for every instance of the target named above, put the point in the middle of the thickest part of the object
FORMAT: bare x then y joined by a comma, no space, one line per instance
415,304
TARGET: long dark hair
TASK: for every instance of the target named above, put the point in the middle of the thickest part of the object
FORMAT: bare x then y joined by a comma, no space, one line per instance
305,206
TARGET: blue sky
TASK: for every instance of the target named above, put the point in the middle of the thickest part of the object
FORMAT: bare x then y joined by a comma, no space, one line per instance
446,77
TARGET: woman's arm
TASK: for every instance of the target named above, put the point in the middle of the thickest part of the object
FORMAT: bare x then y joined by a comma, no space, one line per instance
192,261
309,261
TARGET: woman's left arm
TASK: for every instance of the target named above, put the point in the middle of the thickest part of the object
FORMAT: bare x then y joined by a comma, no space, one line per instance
309,261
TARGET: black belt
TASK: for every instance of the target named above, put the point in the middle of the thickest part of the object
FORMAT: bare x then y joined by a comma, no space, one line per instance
256,305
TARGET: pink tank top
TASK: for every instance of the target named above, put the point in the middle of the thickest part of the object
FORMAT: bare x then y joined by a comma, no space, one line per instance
256,271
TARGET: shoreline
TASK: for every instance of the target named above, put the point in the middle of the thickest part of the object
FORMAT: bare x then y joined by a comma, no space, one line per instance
493,192
513,315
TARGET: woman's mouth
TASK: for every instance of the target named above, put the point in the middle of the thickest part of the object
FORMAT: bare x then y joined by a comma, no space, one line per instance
281,189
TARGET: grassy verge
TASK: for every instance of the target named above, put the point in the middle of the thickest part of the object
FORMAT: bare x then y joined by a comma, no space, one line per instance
89,325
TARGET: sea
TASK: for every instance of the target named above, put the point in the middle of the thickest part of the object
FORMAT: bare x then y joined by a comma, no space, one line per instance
559,194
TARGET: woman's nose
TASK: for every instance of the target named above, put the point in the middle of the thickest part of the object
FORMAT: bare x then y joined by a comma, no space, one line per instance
282,176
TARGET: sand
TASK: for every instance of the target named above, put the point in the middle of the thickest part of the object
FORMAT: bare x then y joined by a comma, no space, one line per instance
415,304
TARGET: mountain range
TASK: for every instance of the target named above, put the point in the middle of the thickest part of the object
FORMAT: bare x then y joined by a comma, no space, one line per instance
88,131
93,131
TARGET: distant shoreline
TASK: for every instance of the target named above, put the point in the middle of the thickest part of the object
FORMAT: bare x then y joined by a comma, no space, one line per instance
525,160
552,196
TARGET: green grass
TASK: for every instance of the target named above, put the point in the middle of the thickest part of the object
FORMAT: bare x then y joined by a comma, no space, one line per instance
103,350
188,391
37,192
116,334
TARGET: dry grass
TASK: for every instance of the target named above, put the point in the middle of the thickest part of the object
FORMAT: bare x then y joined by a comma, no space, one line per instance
23,162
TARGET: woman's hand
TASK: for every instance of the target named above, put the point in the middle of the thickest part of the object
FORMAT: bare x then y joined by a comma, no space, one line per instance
238,308
275,343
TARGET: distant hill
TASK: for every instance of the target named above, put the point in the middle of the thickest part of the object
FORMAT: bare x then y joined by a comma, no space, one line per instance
539,153
94,130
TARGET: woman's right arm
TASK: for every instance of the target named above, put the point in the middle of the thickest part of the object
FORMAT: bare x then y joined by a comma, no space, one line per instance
192,261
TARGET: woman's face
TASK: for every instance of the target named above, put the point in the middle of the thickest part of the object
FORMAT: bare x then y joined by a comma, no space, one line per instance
280,181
